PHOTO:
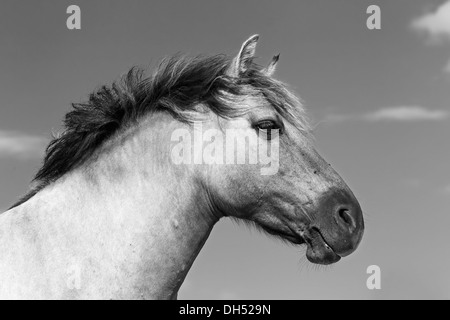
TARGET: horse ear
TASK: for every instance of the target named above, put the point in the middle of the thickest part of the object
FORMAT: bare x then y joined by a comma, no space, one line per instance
270,70
244,59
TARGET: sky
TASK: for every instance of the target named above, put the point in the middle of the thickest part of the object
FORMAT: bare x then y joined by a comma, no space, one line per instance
378,100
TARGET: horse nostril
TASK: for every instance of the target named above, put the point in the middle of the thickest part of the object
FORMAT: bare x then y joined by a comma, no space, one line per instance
344,215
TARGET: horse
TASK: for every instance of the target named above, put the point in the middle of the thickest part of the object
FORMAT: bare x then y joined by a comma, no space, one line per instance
114,213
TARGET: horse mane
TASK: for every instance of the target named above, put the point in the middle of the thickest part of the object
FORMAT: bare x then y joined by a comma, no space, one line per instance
178,85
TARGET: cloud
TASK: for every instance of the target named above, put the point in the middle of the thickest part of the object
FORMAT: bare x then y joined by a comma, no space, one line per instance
435,24
19,145
407,113
393,114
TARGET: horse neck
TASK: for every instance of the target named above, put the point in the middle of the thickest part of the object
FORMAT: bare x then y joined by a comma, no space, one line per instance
153,216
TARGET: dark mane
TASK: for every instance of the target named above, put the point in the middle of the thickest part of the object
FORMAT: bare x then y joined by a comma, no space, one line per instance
177,86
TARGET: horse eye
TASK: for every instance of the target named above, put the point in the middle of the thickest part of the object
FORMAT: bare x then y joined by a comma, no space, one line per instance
267,126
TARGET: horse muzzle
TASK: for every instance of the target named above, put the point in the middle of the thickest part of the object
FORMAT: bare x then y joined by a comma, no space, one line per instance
337,229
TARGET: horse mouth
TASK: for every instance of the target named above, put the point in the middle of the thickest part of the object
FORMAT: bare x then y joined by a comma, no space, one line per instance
318,250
